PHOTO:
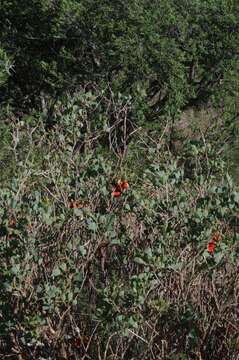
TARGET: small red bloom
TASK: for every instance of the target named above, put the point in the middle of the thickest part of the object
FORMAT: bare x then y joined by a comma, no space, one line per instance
124,185
116,194
119,186
211,247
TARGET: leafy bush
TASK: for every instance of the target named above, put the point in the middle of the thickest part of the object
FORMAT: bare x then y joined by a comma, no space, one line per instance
167,54
85,273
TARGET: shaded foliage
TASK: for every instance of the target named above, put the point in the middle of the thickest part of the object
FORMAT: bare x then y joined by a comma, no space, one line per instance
177,54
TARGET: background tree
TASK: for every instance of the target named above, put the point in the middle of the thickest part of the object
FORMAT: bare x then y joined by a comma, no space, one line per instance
178,54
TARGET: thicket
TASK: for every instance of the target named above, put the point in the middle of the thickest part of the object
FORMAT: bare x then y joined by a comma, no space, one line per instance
96,93
178,54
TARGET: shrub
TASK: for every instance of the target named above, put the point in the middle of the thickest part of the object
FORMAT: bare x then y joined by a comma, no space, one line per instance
85,273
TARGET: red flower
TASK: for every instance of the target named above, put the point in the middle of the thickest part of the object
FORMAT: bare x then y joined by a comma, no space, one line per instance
116,194
119,187
211,247
124,185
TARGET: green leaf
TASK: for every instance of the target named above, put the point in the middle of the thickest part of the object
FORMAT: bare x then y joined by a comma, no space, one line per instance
82,250
218,257
79,213
127,207
56,271
63,267
92,226
236,197
176,266
138,260
229,180
16,269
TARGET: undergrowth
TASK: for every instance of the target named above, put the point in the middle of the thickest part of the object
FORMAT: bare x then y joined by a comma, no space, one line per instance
85,275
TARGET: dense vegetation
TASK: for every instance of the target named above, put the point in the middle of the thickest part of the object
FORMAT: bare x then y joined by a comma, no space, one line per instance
93,96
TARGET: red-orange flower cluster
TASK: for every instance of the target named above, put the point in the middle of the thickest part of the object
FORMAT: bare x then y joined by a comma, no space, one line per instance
211,245
119,187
